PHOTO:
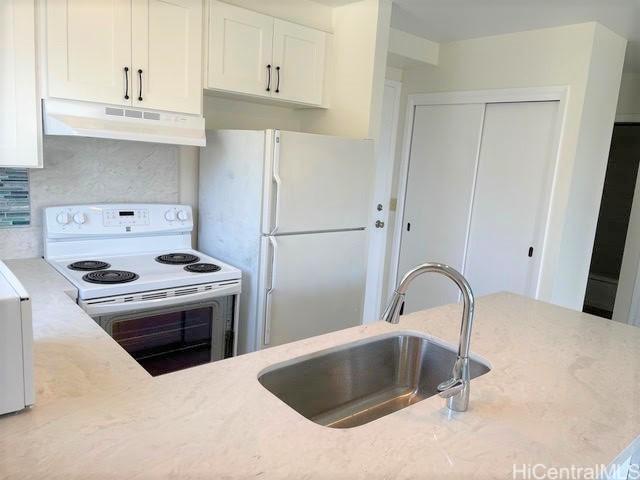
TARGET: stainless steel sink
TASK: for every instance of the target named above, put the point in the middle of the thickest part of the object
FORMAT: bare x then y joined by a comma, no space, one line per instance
359,383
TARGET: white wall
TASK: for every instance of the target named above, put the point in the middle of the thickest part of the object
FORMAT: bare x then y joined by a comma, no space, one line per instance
406,49
629,99
393,73
567,284
227,113
357,64
588,59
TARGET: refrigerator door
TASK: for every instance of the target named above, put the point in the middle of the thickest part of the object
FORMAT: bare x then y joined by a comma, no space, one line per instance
317,183
315,285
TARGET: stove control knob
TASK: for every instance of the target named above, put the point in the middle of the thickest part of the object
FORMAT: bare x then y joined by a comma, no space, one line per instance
182,215
79,218
170,215
63,218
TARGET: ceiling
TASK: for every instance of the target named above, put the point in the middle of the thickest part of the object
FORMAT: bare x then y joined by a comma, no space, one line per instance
450,20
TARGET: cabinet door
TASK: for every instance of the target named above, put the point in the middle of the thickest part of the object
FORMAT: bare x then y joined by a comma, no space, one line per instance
167,55
512,196
88,48
298,57
240,50
20,134
442,167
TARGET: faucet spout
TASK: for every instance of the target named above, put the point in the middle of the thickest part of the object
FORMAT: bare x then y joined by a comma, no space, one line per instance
456,389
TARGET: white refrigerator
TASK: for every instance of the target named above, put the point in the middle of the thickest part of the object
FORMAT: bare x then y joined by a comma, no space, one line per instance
291,210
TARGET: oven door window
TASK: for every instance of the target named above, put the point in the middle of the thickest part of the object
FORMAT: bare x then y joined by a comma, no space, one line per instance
171,340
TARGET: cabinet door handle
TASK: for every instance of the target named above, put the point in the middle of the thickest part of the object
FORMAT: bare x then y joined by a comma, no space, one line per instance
278,84
269,78
126,83
140,80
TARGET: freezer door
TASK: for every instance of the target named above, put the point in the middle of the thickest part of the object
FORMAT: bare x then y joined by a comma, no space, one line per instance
317,183
316,285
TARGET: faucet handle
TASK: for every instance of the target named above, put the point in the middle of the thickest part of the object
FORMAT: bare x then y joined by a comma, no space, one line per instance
451,387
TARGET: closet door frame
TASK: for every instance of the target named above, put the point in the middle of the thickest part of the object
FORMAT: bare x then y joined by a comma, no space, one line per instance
509,95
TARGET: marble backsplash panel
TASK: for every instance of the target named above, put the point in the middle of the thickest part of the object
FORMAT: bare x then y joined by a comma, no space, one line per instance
86,170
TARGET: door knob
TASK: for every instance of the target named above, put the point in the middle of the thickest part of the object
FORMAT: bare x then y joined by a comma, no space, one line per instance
379,224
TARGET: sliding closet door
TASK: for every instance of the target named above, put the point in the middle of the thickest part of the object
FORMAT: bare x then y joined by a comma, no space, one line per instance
442,167
511,199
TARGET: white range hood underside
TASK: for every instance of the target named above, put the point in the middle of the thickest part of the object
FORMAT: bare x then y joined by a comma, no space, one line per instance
83,119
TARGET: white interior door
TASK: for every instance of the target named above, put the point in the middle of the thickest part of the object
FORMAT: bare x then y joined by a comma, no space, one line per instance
441,175
378,231
298,57
167,55
316,286
512,197
88,48
318,183
240,50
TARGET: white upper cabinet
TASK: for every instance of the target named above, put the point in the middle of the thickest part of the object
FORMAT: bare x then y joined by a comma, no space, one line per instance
20,132
298,57
88,49
143,53
167,55
255,54
240,50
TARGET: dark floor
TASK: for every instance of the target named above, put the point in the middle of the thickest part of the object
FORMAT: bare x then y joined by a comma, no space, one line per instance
599,312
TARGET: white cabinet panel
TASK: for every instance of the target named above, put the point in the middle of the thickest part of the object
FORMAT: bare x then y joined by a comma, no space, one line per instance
512,197
299,58
167,47
88,48
20,133
442,166
240,50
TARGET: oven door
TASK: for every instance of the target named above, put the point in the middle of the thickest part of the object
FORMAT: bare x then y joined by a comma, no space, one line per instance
164,340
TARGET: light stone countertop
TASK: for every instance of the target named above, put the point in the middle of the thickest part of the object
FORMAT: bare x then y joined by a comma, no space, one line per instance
564,390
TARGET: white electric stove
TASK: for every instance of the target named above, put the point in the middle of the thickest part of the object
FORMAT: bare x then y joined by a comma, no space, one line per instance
168,305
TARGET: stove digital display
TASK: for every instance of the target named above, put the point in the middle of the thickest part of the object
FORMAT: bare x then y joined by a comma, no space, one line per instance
126,213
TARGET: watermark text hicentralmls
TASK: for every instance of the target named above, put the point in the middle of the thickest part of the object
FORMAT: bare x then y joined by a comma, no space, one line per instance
540,471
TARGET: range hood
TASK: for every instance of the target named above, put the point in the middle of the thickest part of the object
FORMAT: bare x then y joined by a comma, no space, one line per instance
84,119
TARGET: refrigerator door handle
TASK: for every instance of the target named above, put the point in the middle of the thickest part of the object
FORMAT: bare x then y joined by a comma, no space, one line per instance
278,182
269,295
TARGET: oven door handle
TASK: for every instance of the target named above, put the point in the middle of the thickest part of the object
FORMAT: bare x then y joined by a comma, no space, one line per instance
99,309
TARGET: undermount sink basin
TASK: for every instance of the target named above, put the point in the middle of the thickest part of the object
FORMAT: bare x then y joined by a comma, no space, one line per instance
359,383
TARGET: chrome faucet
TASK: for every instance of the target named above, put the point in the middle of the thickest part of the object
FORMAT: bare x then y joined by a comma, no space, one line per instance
456,389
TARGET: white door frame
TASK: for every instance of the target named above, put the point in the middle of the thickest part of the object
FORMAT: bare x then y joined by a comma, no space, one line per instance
377,257
509,95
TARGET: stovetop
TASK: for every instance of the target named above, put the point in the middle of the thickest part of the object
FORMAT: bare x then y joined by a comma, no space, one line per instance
151,274
122,249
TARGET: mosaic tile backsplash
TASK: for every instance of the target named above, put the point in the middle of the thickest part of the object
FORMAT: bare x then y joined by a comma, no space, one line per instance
15,210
